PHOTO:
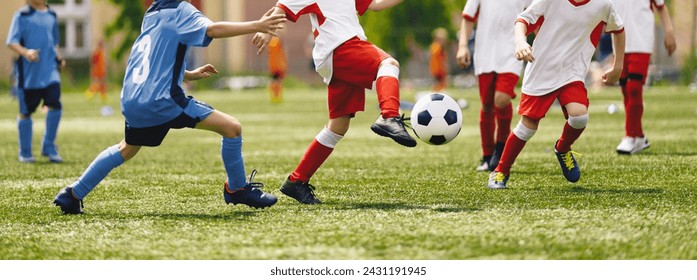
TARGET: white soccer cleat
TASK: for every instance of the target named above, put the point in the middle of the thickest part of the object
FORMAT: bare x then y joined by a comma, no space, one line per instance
626,146
640,144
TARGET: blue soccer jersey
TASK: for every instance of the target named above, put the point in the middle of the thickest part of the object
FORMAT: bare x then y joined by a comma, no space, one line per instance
36,30
152,93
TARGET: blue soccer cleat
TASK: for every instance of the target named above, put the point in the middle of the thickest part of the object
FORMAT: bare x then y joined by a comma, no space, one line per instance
569,166
67,202
29,159
250,195
55,158
497,180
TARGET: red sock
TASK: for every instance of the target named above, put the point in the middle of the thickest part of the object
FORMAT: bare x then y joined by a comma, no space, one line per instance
568,137
486,130
503,122
387,88
634,107
510,152
314,157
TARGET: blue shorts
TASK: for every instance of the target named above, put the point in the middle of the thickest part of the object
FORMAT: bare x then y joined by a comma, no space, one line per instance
152,136
29,99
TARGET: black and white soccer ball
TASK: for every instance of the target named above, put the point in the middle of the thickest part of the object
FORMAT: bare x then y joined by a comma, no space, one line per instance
436,119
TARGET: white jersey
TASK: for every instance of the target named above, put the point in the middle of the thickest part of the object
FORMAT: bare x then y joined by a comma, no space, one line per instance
639,22
494,41
333,23
568,35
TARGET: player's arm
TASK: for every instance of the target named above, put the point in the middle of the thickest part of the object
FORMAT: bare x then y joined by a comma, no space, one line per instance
523,50
59,58
463,51
669,40
613,75
261,40
200,73
30,54
266,24
379,5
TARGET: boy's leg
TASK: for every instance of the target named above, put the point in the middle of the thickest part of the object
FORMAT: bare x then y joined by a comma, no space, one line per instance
390,124
236,188
487,124
52,100
505,91
574,101
28,101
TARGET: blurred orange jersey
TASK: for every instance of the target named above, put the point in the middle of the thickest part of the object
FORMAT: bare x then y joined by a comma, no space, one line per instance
438,60
98,67
277,57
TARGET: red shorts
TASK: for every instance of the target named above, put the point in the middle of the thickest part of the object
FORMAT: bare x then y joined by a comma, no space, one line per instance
492,82
536,107
636,66
355,67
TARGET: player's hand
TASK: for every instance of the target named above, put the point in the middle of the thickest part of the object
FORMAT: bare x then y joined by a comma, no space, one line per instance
270,23
523,51
61,64
669,42
463,57
612,76
202,72
261,41
32,55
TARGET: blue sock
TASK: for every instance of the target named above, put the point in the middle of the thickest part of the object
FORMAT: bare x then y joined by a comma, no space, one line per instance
25,134
97,171
234,165
53,117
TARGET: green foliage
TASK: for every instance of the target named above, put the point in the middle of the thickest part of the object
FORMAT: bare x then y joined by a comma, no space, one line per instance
689,69
408,24
127,23
381,200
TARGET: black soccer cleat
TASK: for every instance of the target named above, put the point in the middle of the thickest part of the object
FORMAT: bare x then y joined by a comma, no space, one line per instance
250,195
393,128
302,192
67,202
496,157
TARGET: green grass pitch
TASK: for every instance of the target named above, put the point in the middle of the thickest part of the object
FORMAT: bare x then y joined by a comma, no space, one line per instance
381,200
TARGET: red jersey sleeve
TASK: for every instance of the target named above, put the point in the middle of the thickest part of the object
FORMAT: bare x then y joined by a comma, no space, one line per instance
362,6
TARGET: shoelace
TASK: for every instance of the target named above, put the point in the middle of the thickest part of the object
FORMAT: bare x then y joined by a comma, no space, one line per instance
499,177
311,190
568,160
401,120
251,183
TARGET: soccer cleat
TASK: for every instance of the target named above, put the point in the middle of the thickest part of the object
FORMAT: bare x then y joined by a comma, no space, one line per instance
569,166
626,146
29,159
250,195
640,144
497,180
393,128
484,165
496,157
55,158
302,192
67,202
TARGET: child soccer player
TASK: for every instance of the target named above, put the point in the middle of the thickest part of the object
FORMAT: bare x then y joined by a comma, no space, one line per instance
558,61
278,64
153,101
439,59
34,37
496,68
97,73
349,65
639,20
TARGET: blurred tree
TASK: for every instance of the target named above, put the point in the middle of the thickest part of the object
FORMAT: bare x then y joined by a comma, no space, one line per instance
398,28
127,22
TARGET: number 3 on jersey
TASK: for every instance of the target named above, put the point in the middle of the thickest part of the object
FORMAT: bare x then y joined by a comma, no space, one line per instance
141,72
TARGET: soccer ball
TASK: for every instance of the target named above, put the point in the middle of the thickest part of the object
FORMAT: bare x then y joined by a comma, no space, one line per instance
436,119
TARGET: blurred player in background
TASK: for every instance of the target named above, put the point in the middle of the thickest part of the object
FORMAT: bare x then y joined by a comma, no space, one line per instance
278,64
439,59
153,100
349,64
98,77
496,67
558,61
639,21
35,38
